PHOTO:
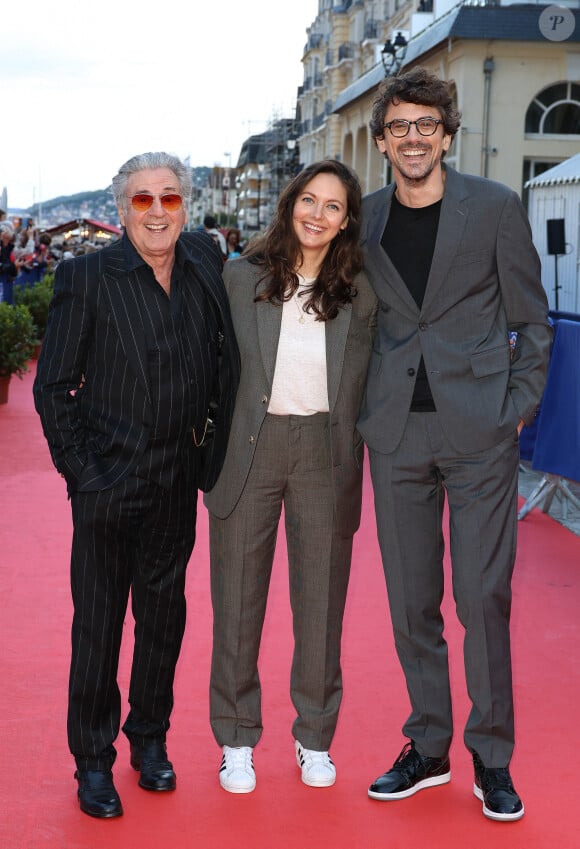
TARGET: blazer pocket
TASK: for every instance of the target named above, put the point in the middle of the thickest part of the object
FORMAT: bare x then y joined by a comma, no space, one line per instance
471,257
490,362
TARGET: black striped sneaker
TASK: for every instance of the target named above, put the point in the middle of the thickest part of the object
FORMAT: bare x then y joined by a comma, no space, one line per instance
317,767
237,770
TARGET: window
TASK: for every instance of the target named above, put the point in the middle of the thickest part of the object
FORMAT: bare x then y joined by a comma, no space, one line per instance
555,111
533,168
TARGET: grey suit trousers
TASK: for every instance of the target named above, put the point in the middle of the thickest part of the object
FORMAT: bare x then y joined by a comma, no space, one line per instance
409,489
291,469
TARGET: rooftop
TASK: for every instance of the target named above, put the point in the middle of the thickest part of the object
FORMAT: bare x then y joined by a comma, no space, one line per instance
516,22
566,172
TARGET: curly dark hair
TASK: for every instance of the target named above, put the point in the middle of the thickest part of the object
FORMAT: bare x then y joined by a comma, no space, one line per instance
278,250
415,86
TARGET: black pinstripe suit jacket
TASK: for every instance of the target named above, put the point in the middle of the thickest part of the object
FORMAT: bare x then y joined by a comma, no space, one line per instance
96,435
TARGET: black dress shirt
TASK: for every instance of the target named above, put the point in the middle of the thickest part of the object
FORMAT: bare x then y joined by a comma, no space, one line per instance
181,337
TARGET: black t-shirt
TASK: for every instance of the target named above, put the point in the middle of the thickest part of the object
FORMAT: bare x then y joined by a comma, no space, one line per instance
409,240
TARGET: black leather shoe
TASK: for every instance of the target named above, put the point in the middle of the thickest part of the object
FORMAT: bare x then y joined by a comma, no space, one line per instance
151,760
97,794
495,789
410,772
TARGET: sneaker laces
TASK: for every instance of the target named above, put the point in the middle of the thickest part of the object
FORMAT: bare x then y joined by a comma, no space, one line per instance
409,762
496,779
312,758
238,758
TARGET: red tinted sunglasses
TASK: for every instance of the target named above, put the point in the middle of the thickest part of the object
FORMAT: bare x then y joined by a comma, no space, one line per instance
142,202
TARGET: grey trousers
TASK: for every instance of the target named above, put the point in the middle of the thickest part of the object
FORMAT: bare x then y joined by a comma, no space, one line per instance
291,469
409,489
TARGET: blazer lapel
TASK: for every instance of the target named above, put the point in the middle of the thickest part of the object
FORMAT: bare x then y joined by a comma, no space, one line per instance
336,335
120,294
452,222
269,321
204,272
379,265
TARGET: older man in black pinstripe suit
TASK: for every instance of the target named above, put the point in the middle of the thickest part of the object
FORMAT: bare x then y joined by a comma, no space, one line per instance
139,346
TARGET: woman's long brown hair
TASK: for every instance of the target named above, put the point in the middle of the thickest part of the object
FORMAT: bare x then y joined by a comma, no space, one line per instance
278,250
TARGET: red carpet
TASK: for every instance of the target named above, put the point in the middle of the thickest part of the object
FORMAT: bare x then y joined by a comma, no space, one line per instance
38,807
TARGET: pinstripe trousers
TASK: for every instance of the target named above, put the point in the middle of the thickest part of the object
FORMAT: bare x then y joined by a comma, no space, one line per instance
136,537
292,468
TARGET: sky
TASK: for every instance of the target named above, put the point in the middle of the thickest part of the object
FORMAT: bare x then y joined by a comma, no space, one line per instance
86,86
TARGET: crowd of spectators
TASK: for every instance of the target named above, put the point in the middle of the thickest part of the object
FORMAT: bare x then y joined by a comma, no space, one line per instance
26,254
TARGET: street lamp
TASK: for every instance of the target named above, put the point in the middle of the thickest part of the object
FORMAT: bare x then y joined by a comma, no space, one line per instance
393,54
291,156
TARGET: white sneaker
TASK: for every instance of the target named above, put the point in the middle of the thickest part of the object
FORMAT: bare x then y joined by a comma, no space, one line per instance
237,770
317,767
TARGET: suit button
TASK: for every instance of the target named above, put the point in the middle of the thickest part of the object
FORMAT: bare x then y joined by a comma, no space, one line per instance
411,372
251,440
264,399
423,326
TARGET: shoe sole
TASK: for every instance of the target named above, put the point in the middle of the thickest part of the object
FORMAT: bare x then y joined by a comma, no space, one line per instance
155,789
434,781
105,816
493,815
237,789
320,782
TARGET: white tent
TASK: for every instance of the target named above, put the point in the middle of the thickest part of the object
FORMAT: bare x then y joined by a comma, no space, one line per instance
555,194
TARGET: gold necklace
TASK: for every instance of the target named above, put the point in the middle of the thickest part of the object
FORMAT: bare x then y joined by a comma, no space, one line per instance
301,318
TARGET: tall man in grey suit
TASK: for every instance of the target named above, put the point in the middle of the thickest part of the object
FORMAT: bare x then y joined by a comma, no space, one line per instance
139,344
452,262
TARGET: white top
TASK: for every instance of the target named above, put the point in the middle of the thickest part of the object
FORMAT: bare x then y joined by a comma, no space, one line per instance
300,385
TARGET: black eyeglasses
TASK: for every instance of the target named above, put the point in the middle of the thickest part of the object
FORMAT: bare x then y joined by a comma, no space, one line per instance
399,128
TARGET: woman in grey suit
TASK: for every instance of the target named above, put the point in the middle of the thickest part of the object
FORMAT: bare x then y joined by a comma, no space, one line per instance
304,316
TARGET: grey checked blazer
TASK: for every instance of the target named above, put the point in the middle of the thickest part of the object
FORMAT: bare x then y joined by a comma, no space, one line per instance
348,345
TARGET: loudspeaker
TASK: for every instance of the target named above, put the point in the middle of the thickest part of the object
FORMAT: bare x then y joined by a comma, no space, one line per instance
556,237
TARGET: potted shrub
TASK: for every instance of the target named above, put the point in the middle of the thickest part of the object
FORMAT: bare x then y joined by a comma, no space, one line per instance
37,298
17,341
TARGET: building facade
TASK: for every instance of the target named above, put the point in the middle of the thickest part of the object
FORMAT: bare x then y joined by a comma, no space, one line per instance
517,82
266,163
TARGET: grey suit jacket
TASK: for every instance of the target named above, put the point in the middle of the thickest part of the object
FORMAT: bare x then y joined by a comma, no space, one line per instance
97,434
348,345
484,282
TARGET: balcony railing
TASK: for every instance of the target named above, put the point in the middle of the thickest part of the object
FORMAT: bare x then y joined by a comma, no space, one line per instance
371,30
346,51
314,41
